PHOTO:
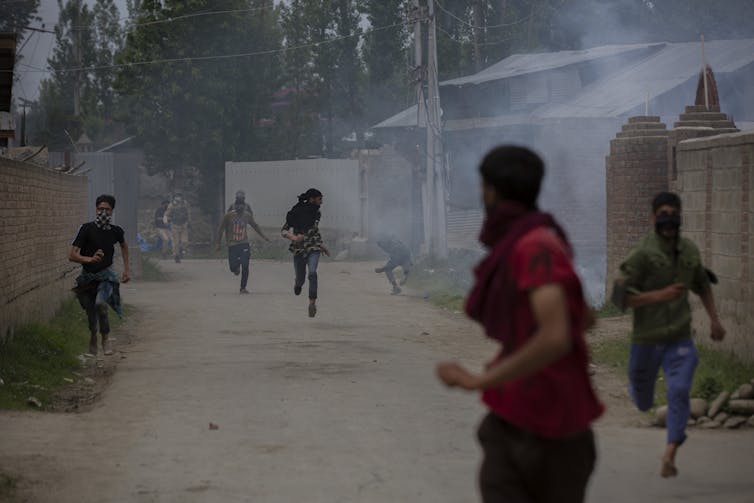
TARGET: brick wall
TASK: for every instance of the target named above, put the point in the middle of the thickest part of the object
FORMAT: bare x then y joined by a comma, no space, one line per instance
40,213
636,171
715,179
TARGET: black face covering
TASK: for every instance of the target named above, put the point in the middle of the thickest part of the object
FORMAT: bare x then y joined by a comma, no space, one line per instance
667,223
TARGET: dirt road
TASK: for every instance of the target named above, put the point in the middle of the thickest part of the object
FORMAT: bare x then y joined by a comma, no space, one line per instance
340,408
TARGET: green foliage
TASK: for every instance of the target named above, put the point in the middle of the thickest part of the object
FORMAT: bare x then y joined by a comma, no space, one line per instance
14,16
39,356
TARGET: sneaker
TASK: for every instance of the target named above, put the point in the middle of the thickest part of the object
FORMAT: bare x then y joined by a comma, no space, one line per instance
396,291
243,291
296,290
312,310
107,347
236,271
177,259
379,270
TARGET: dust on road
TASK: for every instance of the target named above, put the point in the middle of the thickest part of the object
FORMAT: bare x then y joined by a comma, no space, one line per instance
341,408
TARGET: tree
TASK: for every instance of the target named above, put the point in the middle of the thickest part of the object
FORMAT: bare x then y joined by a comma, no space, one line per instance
198,110
16,16
388,80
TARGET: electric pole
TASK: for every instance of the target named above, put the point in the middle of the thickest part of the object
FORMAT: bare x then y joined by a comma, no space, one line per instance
438,243
76,29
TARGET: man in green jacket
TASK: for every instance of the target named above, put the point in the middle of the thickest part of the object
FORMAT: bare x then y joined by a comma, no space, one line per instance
656,278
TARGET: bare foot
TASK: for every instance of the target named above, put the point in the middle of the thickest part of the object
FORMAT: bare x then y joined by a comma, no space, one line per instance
668,468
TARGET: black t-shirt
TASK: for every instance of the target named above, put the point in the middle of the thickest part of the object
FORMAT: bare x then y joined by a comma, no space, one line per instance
91,238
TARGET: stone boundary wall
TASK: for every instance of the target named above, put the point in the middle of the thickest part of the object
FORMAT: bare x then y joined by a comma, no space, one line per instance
40,213
716,184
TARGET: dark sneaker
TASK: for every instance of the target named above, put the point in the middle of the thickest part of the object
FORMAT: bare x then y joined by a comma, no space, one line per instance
243,291
296,290
236,271
177,259
312,310
107,347
396,291
379,270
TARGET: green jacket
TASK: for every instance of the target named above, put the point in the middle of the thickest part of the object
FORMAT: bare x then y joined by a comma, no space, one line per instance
653,265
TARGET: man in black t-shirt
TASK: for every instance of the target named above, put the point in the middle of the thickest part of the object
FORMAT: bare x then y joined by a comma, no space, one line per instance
97,286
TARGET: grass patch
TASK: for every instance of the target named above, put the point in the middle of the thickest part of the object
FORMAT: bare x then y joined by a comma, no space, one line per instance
7,486
447,283
151,271
39,357
717,370
609,310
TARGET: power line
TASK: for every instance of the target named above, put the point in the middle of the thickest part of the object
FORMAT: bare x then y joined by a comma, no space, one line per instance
216,57
481,44
503,25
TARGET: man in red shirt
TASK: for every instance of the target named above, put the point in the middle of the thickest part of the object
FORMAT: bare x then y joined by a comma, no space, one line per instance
537,440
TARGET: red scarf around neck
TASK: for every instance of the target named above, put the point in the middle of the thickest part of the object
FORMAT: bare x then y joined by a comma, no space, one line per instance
492,298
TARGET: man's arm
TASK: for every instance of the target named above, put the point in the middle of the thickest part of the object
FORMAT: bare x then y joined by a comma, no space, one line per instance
220,231
670,292
166,215
255,226
124,252
717,332
550,342
75,256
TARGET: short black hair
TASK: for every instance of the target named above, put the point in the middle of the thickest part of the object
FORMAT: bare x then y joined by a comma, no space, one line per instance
105,198
515,172
666,198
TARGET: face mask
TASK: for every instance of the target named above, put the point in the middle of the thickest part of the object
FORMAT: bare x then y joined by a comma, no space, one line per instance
103,219
239,208
667,224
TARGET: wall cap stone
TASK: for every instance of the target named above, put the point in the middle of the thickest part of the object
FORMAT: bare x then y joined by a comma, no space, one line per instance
720,140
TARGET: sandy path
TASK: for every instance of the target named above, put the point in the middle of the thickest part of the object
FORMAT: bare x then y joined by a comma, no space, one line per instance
341,408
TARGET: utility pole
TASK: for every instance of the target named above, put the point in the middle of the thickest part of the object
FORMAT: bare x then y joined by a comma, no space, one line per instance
76,29
476,30
417,17
438,243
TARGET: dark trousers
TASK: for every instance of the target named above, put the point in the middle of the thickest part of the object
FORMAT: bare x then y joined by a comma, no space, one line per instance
303,262
520,467
94,302
238,258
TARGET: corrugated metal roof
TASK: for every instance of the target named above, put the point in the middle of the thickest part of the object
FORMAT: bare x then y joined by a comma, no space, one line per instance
521,64
667,66
657,74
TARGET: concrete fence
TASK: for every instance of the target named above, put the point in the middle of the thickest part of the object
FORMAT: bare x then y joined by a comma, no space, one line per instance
40,213
715,181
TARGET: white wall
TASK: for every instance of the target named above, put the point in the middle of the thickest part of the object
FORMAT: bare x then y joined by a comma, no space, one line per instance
272,187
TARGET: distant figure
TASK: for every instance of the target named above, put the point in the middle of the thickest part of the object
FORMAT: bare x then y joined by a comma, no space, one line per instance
301,227
240,199
655,281
234,226
97,286
400,256
537,439
163,229
178,216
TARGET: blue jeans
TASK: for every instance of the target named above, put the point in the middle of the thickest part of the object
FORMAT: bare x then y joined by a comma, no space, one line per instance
678,361
300,263
238,258
96,306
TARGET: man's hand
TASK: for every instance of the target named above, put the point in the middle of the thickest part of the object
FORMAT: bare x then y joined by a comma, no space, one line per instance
97,257
325,251
453,374
125,277
717,331
671,292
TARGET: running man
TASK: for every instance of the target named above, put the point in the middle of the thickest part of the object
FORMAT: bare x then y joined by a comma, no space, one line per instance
656,279
97,287
537,440
302,229
178,216
400,256
234,225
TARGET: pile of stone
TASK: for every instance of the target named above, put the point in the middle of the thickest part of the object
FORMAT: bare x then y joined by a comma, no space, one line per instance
728,410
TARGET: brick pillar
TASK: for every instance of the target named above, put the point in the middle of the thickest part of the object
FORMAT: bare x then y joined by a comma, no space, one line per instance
695,122
636,169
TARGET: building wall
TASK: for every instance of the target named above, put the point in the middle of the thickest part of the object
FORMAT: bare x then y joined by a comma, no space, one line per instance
40,213
715,182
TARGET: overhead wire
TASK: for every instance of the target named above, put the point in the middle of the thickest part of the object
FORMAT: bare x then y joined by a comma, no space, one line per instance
484,27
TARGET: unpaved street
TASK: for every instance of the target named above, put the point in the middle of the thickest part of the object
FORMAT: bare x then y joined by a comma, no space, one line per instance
341,408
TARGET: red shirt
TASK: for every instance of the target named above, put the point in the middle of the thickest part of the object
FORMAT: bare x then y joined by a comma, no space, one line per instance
558,400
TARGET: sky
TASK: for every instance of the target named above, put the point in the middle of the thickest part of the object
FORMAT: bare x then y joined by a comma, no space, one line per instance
38,47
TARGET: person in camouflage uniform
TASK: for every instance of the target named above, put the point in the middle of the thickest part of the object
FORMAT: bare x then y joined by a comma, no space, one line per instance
178,215
301,227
